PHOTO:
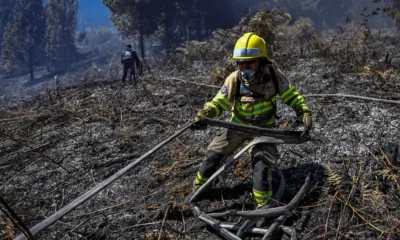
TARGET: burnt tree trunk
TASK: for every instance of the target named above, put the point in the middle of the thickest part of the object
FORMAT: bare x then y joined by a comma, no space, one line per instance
198,20
141,40
141,32
391,152
30,66
187,30
167,27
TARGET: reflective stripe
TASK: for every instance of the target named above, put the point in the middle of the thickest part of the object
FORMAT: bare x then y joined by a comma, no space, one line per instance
264,110
262,197
299,101
200,180
271,121
235,119
292,98
247,52
242,112
222,101
239,106
273,100
305,107
253,111
294,101
288,100
215,107
263,104
290,89
288,94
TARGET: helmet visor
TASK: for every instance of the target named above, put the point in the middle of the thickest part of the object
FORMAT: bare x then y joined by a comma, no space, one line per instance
247,53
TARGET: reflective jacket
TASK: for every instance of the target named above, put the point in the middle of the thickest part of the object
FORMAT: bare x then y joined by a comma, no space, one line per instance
254,104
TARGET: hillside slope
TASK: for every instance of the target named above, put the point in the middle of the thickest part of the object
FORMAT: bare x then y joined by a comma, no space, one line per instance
59,145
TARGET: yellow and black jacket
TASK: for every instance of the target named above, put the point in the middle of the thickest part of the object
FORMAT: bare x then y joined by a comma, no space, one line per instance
255,104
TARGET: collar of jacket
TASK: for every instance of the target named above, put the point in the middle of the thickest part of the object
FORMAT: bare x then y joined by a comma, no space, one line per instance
259,77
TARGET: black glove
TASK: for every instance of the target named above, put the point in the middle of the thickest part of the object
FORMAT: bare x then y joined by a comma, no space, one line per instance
199,124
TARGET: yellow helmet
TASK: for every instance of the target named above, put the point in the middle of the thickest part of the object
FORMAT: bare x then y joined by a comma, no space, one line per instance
249,47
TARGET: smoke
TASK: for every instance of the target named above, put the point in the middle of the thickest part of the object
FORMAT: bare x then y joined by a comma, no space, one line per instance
328,14
93,14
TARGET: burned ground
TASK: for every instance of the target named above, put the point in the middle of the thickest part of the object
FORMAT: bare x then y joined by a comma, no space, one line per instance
60,144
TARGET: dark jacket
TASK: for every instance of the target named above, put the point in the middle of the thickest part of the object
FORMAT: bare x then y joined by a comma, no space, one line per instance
130,56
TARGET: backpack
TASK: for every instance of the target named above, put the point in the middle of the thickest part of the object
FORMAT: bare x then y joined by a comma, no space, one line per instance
128,55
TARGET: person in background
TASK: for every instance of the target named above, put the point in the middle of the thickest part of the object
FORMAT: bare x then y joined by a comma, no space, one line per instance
129,59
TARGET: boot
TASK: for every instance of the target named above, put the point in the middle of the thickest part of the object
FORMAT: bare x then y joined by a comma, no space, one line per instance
195,187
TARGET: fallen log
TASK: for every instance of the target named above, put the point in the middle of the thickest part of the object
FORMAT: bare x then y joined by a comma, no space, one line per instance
391,153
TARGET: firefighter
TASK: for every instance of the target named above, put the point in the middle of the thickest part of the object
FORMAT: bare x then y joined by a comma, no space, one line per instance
128,59
250,93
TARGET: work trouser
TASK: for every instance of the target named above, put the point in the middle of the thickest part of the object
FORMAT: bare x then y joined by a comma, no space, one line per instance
129,67
263,161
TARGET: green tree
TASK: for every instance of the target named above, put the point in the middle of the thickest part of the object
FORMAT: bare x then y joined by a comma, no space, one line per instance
132,17
177,20
23,43
61,20
392,8
6,9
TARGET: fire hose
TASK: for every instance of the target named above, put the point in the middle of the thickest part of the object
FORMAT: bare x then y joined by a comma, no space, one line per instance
270,135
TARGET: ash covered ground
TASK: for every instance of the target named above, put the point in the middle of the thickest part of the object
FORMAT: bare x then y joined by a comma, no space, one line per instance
59,144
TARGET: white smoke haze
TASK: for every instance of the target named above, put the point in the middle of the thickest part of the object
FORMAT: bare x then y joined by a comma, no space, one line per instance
102,42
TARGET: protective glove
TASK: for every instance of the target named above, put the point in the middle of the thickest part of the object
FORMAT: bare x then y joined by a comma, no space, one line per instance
306,119
199,123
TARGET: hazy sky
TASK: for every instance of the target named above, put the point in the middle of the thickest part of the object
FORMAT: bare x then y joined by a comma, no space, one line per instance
93,13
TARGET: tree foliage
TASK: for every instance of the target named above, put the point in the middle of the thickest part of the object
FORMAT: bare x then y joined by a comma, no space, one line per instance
61,20
129,15
132,17
393,9
175,20
6,9
24,38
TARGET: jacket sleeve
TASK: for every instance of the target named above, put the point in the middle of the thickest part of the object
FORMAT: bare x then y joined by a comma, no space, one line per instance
223,100
122,56
289,94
